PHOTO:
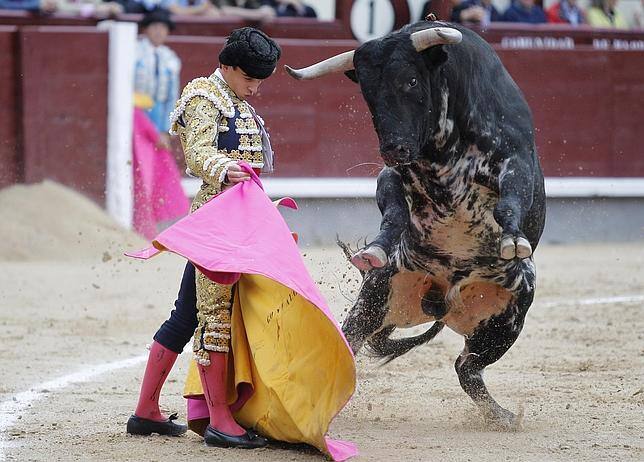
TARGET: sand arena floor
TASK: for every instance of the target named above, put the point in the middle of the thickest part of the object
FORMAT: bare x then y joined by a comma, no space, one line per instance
577,370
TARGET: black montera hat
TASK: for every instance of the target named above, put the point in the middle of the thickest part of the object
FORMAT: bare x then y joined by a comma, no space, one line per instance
157,15
251,50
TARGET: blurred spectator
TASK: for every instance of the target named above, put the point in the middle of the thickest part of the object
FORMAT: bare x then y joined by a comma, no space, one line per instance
477,11
158,195
157,68
46,6
193,8
604,14
524,11
180,7
252,10
292,8
566,11
638,17
89,7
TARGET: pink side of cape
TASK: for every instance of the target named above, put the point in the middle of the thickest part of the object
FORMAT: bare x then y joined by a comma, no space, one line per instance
158,195
253,238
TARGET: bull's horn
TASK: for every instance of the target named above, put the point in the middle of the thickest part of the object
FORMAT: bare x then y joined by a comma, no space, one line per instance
424,39
339,63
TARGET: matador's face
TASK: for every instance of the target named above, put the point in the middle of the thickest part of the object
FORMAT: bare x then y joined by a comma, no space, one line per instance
241,83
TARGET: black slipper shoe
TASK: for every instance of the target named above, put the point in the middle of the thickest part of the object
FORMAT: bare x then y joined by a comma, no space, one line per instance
249,440
139,426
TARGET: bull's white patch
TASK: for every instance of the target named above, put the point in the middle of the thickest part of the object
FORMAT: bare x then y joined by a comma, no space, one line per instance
504,170
445,125
466,226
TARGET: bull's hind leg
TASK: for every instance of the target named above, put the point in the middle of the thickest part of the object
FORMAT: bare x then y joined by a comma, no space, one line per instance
369,311
487,344
395,217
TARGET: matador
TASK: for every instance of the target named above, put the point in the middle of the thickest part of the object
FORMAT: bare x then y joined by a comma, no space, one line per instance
218,128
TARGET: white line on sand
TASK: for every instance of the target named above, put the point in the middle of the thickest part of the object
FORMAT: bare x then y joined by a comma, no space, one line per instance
592,301
17,404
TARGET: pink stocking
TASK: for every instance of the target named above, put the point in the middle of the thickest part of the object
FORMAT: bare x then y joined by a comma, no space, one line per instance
213,380
160,363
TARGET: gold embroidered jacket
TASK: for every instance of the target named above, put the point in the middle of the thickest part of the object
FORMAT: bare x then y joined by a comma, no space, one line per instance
216,129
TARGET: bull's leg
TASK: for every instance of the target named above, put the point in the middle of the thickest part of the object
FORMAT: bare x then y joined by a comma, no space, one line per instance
516,186
395,217
489,342
369,311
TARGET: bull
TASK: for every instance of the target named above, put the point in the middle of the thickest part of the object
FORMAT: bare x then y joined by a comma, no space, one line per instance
461,195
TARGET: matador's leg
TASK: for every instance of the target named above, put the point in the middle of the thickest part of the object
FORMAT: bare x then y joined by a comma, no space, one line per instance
212,343
214,302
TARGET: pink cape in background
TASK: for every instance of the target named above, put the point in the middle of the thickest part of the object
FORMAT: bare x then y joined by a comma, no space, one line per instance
158,195
239,233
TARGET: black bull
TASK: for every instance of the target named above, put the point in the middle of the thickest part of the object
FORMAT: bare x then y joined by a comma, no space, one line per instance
462,198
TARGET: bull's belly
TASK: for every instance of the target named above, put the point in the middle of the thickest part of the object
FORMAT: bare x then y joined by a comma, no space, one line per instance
464,239
468,304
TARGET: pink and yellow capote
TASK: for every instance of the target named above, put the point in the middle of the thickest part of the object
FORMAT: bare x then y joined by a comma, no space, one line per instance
290,369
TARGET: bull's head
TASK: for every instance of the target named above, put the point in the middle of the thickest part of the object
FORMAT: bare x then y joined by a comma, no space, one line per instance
398,78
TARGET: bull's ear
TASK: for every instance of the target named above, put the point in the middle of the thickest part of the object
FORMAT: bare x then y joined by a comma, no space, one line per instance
352,75
435,56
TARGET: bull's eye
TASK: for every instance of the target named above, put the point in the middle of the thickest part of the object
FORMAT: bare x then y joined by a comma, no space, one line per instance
412,83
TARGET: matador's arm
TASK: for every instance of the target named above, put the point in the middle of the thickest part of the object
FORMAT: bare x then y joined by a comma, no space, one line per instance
198,119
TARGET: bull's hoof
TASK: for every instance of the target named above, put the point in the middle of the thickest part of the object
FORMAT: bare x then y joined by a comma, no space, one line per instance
369,258
515,248
504,420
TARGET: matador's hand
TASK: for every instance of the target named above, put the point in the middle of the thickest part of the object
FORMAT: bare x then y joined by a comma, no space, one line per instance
236,174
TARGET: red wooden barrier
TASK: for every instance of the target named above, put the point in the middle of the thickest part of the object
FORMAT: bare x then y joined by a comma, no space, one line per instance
10,162
586,103
587,108
64,99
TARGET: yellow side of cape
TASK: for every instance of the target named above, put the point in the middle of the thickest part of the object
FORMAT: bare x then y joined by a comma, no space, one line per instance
301,371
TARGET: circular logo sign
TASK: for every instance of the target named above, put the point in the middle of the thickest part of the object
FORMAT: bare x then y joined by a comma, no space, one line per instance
371,19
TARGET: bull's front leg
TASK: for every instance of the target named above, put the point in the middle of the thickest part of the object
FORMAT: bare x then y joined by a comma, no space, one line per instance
516,186
395,217
369,311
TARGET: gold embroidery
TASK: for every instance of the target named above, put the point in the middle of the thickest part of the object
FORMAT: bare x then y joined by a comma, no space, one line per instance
254,158
214,303
205,108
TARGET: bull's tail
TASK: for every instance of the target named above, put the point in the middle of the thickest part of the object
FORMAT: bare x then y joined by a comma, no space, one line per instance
381,345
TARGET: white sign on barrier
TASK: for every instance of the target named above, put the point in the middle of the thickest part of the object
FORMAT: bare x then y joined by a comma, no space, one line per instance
371,19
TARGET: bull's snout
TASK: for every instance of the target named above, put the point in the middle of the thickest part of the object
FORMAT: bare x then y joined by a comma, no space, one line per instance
395,154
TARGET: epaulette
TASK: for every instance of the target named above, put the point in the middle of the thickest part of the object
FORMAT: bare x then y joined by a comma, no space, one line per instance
207,88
